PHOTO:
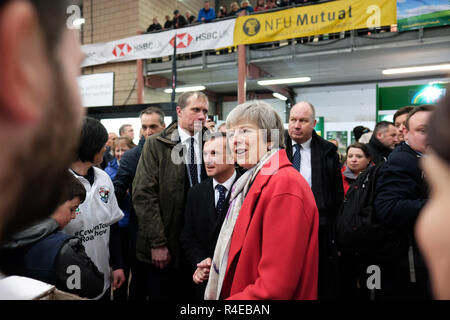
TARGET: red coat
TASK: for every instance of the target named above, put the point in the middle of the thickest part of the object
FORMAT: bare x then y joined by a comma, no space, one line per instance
274,248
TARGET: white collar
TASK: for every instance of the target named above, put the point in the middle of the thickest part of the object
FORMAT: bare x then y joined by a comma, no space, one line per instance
305,145
184,135
227,184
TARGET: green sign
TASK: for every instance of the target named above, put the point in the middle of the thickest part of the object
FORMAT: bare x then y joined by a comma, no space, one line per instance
390,99
341,137
320,125
415,14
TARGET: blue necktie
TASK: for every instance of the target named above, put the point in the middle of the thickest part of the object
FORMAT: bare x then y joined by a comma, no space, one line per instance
220,207
193,165
297,157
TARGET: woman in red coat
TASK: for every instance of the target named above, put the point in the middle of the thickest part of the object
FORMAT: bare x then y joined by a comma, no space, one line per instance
268,244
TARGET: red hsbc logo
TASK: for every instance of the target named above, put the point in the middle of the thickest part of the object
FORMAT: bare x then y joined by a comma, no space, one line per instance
121,50
183,40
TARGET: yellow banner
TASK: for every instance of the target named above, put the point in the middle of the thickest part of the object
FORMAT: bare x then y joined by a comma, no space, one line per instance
331,17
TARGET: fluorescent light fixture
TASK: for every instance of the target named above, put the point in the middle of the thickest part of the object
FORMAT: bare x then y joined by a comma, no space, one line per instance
437,82
78,22
283,81
279,96
185,89
417,69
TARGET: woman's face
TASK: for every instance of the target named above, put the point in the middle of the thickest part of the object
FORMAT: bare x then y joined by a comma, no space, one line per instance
357,160
247,143
120,149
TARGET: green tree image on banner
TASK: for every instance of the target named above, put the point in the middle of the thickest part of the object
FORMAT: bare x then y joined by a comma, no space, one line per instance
415,14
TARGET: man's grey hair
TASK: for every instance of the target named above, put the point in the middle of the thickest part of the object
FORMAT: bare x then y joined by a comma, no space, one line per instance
381,126
183,99
122,128
152,110
261,114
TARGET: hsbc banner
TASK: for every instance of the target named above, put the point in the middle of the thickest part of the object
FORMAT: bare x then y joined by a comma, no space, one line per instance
207,36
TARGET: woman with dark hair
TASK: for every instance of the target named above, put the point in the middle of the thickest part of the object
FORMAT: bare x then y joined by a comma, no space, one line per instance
358,160
100,209
268,245
432,226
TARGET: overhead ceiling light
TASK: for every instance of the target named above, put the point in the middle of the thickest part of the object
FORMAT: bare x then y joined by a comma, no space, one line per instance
283,81
279,96
437,82
186,89
417,69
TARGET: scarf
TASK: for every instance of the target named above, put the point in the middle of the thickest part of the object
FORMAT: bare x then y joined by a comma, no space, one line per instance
220,259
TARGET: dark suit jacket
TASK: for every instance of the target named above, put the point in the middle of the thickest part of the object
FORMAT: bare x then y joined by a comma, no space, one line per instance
202,224
123,182
326,177
401,191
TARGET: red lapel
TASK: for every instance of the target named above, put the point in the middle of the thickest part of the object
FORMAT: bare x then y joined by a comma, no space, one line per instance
277,161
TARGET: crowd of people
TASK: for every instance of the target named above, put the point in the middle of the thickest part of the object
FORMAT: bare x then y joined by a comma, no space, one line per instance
248,210
208,14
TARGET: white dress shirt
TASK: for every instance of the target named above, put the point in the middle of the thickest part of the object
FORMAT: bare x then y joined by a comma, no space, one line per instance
185,139
227,184
305,162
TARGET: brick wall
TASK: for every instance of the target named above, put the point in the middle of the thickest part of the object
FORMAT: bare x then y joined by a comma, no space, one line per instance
109,20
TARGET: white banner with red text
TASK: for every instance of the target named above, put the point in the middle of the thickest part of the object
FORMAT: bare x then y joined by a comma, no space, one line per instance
208,36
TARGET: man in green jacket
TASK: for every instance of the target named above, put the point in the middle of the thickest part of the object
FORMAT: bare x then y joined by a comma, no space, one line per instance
171,162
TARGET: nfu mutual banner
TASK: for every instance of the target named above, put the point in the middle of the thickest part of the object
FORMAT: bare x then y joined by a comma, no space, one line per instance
328,17
207,36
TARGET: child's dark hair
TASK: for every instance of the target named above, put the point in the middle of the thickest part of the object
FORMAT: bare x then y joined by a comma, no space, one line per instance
93,139
74,189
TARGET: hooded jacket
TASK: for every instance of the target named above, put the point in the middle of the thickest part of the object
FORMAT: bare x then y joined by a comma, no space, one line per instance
44,253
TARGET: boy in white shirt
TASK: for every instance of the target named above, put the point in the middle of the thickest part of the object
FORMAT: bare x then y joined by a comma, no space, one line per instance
100,209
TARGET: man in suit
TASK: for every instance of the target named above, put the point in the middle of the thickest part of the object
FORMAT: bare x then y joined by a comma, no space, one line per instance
401,194
206,206
170,164
152,122
318,161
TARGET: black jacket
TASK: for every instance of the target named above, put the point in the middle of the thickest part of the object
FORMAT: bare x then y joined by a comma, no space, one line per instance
168,24
179,22
42,252
401,191
107,158
378,151
202,224
154,27
123,183
326,177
